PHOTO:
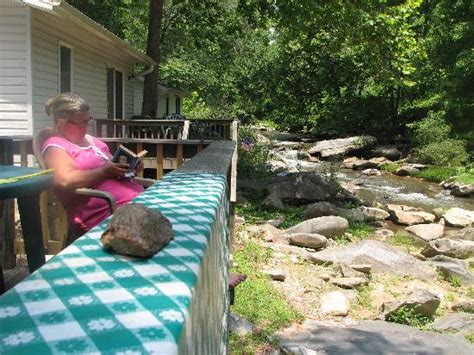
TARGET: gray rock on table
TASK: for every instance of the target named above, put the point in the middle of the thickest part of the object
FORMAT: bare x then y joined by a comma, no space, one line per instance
137,230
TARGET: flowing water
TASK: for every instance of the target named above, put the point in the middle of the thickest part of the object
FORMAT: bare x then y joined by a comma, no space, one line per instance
403,190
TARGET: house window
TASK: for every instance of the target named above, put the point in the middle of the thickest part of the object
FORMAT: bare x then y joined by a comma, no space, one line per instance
178,105
65,68
114,93
167,106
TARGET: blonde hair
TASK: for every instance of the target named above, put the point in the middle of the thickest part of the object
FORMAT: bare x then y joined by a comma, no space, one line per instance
65,105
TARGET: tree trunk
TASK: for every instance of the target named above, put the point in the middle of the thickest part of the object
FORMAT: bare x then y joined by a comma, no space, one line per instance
150,87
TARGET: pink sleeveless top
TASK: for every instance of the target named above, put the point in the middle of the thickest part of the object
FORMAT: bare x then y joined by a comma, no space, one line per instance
85,212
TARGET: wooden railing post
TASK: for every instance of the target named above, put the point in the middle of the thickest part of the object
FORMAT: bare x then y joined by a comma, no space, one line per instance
179,155
159,161
24,153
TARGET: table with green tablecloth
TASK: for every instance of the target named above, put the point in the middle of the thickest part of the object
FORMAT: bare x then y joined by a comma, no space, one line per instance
26,184
87,300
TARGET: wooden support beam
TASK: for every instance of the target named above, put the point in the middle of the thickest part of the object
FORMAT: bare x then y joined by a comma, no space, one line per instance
24,153
179,155
159,161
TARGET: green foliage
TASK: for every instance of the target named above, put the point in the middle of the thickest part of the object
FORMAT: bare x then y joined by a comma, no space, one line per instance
470,337
257,300
409,316
436,173
330,67
252,154
454,281
409,243
433,143
391,167
465,175
360,230
253,213
364,297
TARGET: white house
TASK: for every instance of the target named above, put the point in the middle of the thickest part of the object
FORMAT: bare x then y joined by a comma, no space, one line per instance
47,47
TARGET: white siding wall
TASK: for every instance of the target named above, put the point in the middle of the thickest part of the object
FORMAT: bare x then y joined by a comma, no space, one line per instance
137,97
90,56
15,74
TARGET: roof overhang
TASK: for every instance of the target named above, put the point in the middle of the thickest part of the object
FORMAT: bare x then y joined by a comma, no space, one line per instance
70,13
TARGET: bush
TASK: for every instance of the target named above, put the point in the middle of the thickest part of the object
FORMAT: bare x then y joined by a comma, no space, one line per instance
433,143
436,173
409,316
252,154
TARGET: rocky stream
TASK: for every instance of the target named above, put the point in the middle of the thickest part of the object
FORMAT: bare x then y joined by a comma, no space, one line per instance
417,262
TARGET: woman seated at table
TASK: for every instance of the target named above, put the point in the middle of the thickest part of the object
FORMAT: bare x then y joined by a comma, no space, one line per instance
80,160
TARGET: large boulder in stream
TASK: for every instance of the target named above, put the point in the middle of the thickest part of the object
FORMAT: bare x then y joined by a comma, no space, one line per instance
329,226
333,148
454,248
303,188
458,217
368,337
382,257
407,215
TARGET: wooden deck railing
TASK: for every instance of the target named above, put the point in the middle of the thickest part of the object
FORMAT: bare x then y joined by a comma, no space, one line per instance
142,129
210,129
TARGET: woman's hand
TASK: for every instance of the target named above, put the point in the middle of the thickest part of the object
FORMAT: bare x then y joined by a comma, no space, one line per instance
114,170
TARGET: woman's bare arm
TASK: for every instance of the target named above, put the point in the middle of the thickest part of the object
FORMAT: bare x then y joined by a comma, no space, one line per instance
68,177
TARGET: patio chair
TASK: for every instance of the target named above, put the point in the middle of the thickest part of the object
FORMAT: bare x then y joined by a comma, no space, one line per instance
69,234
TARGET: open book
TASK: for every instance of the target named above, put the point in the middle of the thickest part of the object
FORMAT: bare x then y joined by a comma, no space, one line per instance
126,156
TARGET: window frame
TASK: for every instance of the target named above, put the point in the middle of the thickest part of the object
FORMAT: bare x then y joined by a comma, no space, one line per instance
116,69
71,65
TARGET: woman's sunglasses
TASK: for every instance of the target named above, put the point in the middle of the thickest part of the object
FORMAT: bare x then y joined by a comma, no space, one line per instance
81,124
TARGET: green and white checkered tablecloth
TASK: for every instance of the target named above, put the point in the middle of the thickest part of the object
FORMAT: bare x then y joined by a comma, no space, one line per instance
86,300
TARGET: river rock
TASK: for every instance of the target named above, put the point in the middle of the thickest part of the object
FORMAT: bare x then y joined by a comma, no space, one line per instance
465,233
334,304
368,337
358,164
268,231
463,306
406,170
421,301
427,232
276,275
407,215
382,257
371,172
137,230
329,226
460,249
375,214
349,282
342,146
239,325
273,202
365,268
277,166
450,267
383,234
347,271
461,323
308,240
391,153
458,217
320,209
463,190
304,188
